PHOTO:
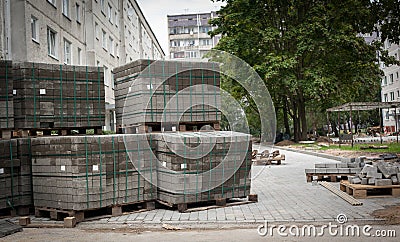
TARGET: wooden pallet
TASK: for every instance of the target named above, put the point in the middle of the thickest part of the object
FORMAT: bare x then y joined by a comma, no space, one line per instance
368,191
55,132
81,215
331,177
8,227
217,203
341,194
169,127
17,210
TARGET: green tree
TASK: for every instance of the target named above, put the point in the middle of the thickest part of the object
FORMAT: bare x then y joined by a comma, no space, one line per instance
309,52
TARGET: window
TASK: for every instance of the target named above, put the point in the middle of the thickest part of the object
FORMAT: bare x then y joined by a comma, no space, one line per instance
116,19
398,93
35,29
79,56
397,74
387,115
51,42
206,42
111,45
65,7
385,81
385,98
67,52
116,50
106,78
96,30
110,12
53,2
104,39
391,78
78,12
102,3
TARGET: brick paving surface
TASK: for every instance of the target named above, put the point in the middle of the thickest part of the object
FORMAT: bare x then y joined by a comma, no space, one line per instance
284,196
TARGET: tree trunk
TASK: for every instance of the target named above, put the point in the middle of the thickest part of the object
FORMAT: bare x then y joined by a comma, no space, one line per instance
302,117
286,117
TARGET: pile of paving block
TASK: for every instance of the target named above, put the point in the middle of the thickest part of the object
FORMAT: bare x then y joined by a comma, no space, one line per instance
15,175
189,94
203,166
188,90
378,173
6,95
58,96
90,172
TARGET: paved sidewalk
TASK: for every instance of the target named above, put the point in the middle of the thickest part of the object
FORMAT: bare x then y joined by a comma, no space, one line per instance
284,196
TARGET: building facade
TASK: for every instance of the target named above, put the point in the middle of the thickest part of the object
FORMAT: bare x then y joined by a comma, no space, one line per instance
188,35
391,89
104,33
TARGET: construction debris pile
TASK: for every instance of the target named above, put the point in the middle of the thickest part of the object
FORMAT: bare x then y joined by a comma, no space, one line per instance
378,173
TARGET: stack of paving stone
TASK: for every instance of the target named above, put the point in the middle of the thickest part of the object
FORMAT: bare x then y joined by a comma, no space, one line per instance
147,87
336,168
15,180
90,172
58,96
6,95
203,166
378,173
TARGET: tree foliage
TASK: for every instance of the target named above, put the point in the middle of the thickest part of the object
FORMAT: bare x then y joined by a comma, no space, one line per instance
310,53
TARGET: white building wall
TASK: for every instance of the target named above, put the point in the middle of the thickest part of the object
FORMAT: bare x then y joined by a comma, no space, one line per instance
391,88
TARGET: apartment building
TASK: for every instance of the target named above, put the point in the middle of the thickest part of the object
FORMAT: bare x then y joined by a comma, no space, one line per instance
188,35
391,89
104,33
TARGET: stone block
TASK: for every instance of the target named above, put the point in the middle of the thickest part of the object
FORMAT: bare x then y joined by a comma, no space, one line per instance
364,181
371,181
374,175
253,197
356,180
395,180
382,166
69,222
116,211
383,182
24,221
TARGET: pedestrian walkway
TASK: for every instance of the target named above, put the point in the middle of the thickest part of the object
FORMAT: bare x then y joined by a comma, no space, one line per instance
284,196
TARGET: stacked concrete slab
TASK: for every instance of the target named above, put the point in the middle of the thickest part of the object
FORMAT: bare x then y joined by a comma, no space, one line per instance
6,95
58,96
15,179
147,87
336,168
203,166
378,173
89,172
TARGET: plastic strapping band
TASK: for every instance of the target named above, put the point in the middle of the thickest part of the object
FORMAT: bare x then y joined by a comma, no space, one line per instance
114,169
12,173
74,97
245,174
184,171
7,94
87,95
61,96
101,172
99,95
139,174
34,95
235,162
87,175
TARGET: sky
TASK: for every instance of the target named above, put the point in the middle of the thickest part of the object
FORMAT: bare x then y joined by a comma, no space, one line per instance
156,12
